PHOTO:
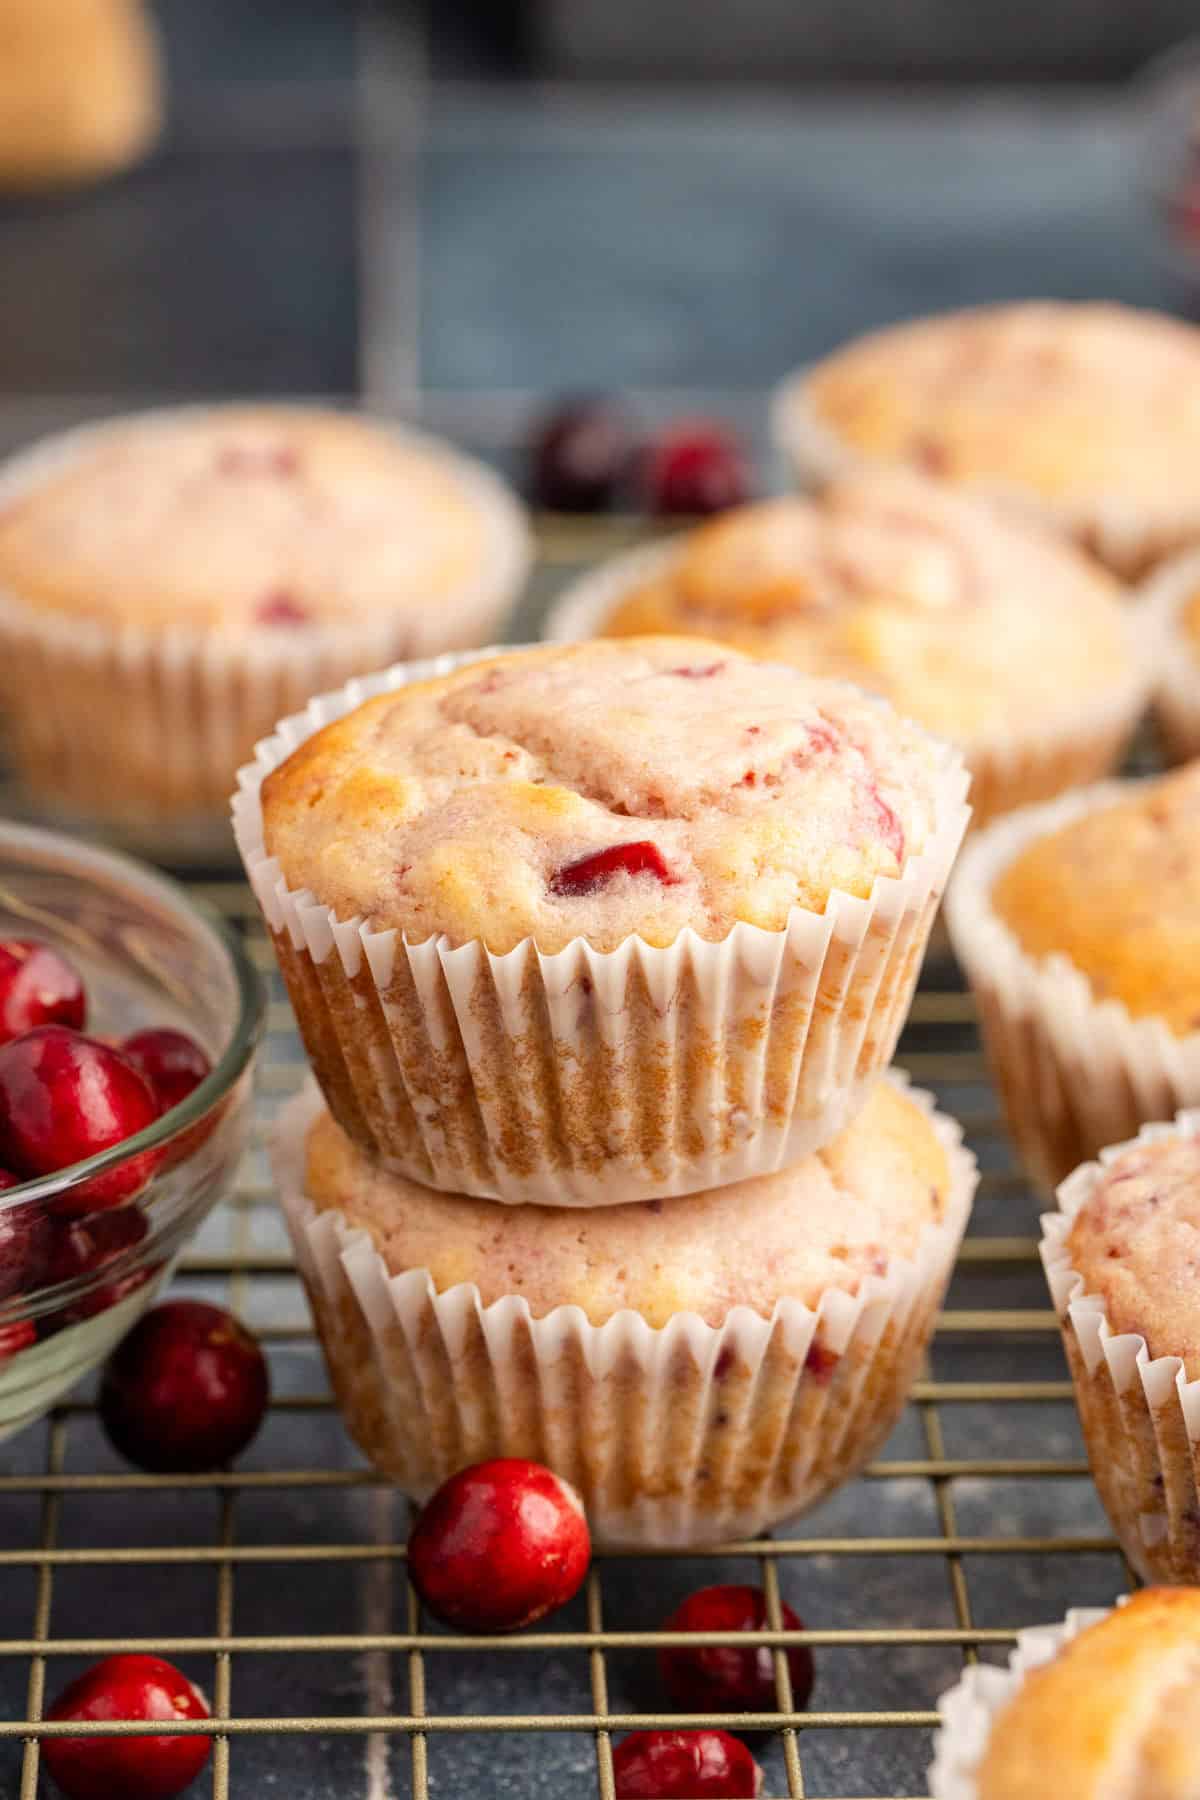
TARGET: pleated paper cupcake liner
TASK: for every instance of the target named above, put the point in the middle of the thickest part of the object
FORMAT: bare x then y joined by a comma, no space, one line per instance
1140,1414
1129,540
113,722
684,1434
1176,658
1074,1073
1025,761
590,1077
970,1708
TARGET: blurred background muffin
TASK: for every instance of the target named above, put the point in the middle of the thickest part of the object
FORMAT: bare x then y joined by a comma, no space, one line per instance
988,630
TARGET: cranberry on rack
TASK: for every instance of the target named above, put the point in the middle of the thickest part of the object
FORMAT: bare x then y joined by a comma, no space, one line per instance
684,1765
127,1768
730,1677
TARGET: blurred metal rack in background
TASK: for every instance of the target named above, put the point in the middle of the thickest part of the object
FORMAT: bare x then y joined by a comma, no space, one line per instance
280,1586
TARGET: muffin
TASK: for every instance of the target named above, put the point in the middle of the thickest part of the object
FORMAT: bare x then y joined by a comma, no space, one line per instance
699,1368
1085,416
80,90
171,583
989,631
598,923
1078,925
1105,1706
1121,1256
1171,609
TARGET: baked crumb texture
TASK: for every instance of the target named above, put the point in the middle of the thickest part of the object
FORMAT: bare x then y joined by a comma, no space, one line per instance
1076,923
1122,1256
603,923
676,1428
990,631
1105,1706
1086,416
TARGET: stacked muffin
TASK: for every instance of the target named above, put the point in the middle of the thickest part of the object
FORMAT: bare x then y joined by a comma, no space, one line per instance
599,954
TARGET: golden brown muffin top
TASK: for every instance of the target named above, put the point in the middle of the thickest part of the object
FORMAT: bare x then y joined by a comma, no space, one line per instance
1117,893
954,611
1115,1716
228,517
829,1221
599,791
1077,404
1136,1244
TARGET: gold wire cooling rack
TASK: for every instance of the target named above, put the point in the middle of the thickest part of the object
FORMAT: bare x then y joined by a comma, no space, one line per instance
998,1527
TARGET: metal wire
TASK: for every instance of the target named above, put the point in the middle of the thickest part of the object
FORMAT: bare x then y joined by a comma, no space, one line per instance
954,1067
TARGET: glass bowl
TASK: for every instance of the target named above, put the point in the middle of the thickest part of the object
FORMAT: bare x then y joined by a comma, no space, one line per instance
148,957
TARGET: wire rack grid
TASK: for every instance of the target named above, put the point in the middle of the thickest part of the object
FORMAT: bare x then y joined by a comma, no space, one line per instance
977,1520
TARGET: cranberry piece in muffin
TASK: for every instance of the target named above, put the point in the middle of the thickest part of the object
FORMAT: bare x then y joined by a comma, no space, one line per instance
684,1765
186,1390
589,791
499,1546
65,1097
38,986
135,1768
722,1677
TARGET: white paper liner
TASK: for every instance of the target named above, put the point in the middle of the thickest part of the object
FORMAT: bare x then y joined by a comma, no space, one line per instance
585,1077
970,1708
1074,1073
1025,761
109,721
1176,658
1127,538
1140,1415
676,1435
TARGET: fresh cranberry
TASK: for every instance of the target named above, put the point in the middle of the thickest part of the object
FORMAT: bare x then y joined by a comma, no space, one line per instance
724,1678
186,1390
280,608
37,987
127,1768
80,1247
580,456
684,1765
591,872
64,1097
887,824
697,467
25,1233
171,1061
499,1545
21,1334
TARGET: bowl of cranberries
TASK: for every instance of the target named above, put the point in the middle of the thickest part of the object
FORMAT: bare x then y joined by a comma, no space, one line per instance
128,1024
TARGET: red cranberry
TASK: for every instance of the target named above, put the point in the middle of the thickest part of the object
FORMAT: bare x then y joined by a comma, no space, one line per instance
186,1390
698,467
64,1097
25,1233
591,872
133,1768
499,1545
171,1061
280,608
684,1765
580,456
37,987
724,1678
82,1247
21,1334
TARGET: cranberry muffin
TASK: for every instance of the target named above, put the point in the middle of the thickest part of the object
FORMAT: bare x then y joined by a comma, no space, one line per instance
1086,416
698,1367
1078,925
990,631
607,921
1121,1256
1170,611
1107,1704
171,583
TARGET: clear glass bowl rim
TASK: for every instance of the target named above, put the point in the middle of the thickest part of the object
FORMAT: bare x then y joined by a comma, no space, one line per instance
225,1072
